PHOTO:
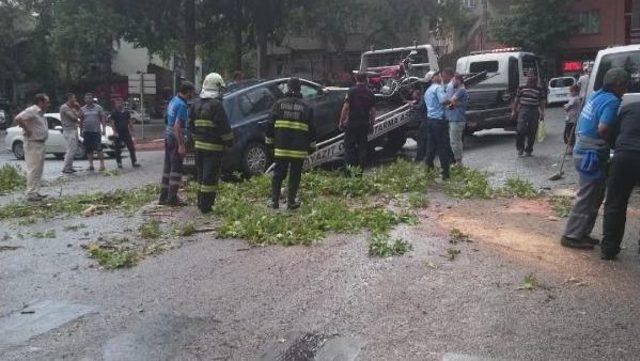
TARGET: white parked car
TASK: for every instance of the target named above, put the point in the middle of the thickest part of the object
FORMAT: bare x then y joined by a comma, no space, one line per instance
55,144
559,89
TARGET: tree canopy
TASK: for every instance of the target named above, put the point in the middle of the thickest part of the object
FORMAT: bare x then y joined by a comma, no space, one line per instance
535,25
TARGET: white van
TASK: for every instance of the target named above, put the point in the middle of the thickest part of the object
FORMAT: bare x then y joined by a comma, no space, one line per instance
490,100
559,89
626,57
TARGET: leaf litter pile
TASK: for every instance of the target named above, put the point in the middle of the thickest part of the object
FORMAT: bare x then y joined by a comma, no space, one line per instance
375,201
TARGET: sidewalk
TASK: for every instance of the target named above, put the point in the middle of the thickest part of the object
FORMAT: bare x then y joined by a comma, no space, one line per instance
151,137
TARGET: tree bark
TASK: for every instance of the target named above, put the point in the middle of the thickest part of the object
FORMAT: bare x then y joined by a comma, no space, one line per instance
237,35
261,45
190,39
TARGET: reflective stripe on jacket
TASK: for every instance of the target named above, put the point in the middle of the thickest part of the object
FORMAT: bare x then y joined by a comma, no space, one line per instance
290,130
209,126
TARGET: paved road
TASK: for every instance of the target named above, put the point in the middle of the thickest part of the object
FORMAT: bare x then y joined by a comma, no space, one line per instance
213,299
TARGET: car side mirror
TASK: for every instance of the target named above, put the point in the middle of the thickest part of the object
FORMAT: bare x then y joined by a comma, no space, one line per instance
58,128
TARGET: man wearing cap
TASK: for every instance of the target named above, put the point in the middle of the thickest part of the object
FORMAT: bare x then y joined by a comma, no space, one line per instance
174,148
591,156
212,135
292,134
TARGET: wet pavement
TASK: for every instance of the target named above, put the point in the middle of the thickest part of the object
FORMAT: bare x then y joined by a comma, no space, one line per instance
216,299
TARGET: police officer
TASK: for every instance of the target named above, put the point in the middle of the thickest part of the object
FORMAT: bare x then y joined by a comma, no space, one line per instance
212,135
292,134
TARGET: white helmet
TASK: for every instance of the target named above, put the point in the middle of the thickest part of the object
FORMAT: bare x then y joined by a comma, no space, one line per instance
213,82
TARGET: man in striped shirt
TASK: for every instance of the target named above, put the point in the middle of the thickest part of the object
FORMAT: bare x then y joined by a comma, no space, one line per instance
529,108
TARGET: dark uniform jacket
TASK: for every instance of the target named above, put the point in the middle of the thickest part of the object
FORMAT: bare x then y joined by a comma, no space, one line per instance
290,129
209,126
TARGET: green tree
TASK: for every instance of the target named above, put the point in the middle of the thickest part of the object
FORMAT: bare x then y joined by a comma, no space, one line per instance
83,35
535,25
13,32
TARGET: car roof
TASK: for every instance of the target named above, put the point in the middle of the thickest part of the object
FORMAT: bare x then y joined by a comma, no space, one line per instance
618,49
494,56
52,115
257,83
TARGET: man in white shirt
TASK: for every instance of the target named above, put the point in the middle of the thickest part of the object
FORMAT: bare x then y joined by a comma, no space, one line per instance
36,132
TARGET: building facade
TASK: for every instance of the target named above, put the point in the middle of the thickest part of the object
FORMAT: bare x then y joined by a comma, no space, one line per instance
600,24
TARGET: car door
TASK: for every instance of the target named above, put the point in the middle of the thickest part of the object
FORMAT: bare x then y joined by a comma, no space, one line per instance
254,107
55,143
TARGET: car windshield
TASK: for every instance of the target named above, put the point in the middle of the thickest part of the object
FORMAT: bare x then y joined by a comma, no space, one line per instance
241,85
629,61
561,82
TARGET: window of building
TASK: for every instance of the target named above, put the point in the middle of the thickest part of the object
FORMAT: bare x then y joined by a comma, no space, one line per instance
635,14
469,4
480,66
589,22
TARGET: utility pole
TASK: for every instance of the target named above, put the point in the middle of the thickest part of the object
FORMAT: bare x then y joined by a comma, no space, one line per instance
483,26
142,104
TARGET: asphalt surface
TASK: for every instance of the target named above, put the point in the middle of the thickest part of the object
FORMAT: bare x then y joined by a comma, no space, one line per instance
216,299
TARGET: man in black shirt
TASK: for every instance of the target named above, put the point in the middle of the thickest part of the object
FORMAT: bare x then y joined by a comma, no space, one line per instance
623,176
357,119
122,126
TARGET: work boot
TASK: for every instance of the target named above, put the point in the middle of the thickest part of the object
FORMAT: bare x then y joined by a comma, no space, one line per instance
293,205
608,256
274,204
575,243
177,203
591,240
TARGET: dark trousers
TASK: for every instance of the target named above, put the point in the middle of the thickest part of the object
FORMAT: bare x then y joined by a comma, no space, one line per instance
423,135
124,139
172,172
438,143
527,128
356,146
624,175
570,134
280,173
208,173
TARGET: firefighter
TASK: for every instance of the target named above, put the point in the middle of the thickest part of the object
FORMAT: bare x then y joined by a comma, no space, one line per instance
212,135
291,133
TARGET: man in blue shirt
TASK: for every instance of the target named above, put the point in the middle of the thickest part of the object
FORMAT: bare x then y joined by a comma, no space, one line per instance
591,155
456,116
436,127
174,151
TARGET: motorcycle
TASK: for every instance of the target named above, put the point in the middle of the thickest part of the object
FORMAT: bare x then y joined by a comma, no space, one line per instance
395,80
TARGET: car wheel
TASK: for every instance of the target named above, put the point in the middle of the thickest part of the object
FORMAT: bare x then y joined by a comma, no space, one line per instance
255,159
18,150
59,156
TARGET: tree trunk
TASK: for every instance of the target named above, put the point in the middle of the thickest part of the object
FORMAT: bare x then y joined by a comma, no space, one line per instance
190,39
261,45
237,35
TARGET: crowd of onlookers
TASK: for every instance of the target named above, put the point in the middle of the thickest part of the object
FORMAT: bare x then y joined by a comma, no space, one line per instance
91,119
